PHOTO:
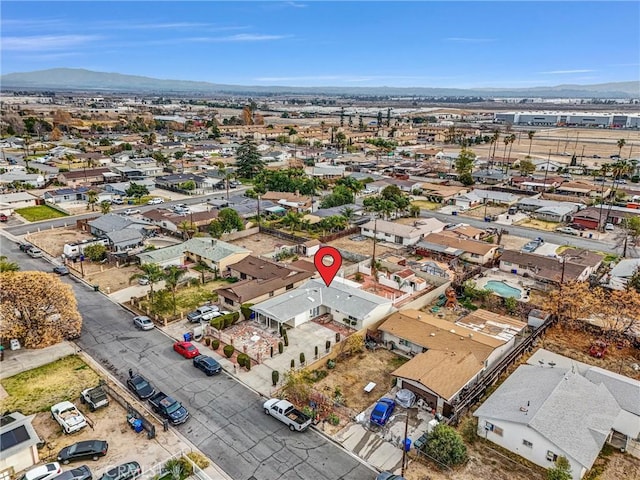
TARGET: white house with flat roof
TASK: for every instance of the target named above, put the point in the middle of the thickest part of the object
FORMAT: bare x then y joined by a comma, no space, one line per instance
342,299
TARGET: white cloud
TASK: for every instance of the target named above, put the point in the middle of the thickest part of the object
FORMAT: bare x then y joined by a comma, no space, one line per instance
567,72
39,43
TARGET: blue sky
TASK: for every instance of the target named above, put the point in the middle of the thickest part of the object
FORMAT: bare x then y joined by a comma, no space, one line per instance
313,43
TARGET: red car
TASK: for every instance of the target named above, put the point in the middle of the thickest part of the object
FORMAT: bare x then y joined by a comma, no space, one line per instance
3,218
186,349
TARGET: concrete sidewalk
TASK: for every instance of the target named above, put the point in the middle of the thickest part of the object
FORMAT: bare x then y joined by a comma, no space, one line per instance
18,361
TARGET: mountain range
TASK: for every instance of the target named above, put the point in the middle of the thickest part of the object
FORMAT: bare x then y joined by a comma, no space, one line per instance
75,79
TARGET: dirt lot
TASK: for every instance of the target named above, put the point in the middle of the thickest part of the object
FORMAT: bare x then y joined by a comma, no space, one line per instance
511,242
260,243
365,247
539,224
110,279
479,212
53,241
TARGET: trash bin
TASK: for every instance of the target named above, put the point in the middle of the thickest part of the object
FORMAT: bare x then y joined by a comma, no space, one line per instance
591,235
407,444
187,337
96,288
137,425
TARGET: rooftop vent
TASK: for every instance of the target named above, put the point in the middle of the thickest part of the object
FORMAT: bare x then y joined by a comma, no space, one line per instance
452,331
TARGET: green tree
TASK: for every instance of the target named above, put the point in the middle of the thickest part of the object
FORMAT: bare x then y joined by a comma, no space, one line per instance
153,273
446,446
189,185
171,277
341,195
95,252
249,160
560,471
526,167
464,166
105,207
136,191
621,143
414,211
228,221
351,184
92,199
187,228
348,213
632,225
530,134
7,266
292,219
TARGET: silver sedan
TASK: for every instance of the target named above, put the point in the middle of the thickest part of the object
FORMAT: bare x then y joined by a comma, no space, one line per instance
143,322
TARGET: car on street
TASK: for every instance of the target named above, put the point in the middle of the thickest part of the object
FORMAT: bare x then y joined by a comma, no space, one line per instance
143,322
3,218
140,386
42,472
126,471
93,449
24,246
83,472
61,270
131,211
389,476
143,281
34,252
186,349
155,201
207,364
568,230
382,411
117,201
577,226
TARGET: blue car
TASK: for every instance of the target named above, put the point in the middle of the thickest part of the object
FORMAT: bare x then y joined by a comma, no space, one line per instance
382,411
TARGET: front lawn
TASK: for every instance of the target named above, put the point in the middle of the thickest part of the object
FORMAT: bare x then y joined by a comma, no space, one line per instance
39,213
38,389
188,298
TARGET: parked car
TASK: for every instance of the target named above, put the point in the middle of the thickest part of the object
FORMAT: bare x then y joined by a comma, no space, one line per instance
186,349
126,471
34,252
609,227
93,449
207,364
81,473
389,476
143,281
140,386
117,201
68,416
42,472
568,230
94,397
61,270
284,411
3,218
24,246
195,316
169,408
577,226
143,322
382,411
131,211
155,201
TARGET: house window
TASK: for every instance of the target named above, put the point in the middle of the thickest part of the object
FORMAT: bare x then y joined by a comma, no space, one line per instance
492,428
508,263
527,443
404,342
552,457
228,301
475,255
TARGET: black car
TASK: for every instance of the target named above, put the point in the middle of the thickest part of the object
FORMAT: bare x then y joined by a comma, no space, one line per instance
140,386
24,246
207,364
577,226
126,471
80,473
61,270
92,449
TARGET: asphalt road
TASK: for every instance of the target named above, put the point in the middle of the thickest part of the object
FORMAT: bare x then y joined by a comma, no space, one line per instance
227,421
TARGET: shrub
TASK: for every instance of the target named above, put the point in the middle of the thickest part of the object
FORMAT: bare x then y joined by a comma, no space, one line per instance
228,320
446,446
337,337
95,252
216,323
243,358
200,460
469,430
293,364
308,411
280,347
215,344
327,345
245,308
318,375
286,341
228,350
194,282
275,376
333,419
302,358
207,341
331,364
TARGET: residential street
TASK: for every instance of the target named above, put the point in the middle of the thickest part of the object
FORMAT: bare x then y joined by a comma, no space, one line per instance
227,422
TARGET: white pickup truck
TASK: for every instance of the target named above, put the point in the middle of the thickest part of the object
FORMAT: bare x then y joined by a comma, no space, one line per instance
287,414
68,416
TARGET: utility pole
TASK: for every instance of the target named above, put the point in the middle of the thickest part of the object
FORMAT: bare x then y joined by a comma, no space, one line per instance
404,443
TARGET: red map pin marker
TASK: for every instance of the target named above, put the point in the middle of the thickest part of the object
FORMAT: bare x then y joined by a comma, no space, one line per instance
327,272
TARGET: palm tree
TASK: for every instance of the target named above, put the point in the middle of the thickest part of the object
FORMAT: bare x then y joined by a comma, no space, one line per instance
153,273
621,143
292,219
172,276
494,141
618,170
512,139
7,266
604,169
507,141
187,228
530,134
92,199
348,213
225,174
105,207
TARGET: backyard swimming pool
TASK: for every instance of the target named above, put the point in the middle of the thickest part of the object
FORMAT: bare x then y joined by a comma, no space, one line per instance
502,289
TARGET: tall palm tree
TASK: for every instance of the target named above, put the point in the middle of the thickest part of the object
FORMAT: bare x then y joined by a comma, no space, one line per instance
530,134
604,170
105,207
153,273
172,276
494,141
187,228
621,143
92,199
618,170
512,139
7,266
507,141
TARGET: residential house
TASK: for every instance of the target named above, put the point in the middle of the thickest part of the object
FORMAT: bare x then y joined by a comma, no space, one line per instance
120,188
342,301
215,254
399,233
548,165
309,248
259,280
556,213
326,171
593,218
62,195
444,194
467,231
88,176
275,156
176,182
583,189
546,269
16,200
407,186
357,210
472,251
170,222
146,166
478,197
620,275
123,233
290,201
446,356
19,445
36,180
583,257
489,177
542,412
531,204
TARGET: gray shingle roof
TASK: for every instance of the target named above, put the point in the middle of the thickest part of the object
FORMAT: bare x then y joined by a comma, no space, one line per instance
126,236
562,406
209,248
338,296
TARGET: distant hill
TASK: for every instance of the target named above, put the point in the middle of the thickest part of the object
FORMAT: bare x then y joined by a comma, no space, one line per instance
70,79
